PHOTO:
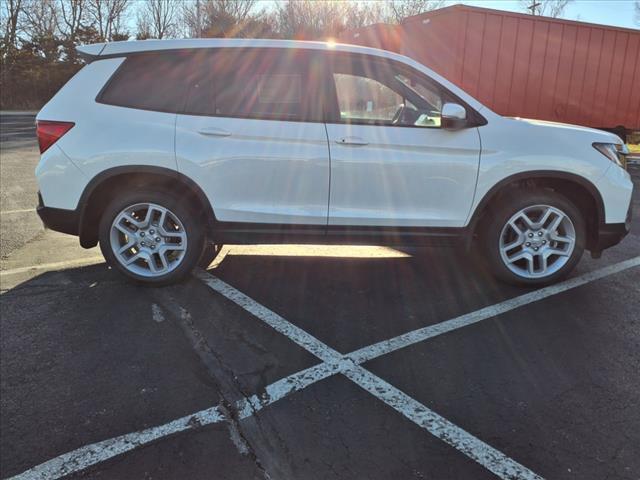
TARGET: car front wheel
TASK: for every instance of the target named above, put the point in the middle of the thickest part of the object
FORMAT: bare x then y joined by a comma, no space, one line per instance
534,237
151,237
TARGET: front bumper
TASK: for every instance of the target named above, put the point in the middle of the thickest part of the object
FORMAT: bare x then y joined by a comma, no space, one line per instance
58,219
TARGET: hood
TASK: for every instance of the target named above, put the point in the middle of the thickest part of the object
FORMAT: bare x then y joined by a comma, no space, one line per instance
597,135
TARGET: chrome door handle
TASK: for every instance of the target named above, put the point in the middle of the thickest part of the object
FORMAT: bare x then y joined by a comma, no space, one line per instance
352,141
214,132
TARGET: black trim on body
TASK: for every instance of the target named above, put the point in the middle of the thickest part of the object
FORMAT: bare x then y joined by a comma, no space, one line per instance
88,239
608,235
112,172
59,220
537,175
255,233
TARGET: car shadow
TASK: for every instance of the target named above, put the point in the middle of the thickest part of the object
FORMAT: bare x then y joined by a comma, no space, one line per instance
354,301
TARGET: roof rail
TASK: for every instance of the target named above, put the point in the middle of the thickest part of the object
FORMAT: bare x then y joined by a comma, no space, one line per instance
119,49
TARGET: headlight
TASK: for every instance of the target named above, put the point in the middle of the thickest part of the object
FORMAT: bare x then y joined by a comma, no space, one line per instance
616,152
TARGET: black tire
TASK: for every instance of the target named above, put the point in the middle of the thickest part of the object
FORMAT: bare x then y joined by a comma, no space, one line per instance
193,226
209,254
507,206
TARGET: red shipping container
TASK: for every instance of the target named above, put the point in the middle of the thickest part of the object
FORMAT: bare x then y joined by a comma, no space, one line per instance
525,66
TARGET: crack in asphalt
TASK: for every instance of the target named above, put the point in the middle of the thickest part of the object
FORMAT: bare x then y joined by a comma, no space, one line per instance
224,379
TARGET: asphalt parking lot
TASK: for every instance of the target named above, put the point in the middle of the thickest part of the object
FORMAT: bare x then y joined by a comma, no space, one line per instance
309,362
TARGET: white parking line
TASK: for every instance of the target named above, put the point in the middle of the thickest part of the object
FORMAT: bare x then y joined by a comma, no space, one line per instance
315,251
438,426
54,266
23,210
275,321
102,451
387,346
284,387
98,452
17,134
464,442
18,113
484,454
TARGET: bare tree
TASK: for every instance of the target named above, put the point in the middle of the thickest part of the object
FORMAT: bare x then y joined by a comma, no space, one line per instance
72,15
191,18
11,13
398,10
41,39
157,18
143,27
637,5
316,19
107,16
75,27
545,8
361,14
218,18
41,18
308,19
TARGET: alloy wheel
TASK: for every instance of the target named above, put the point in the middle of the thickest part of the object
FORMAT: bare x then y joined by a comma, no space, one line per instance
537,241
148,239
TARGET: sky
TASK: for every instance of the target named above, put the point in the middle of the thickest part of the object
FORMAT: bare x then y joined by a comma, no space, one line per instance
607,12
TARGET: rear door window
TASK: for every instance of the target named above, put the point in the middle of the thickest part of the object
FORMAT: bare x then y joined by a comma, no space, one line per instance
150,82
260,83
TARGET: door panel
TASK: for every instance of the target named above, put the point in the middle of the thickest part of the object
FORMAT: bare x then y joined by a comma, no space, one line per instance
391,163
261,171
401,176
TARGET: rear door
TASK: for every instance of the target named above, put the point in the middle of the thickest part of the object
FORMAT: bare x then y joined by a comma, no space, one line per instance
391,163
252,136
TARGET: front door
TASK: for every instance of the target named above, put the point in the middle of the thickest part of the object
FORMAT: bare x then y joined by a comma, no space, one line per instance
251,135
391,163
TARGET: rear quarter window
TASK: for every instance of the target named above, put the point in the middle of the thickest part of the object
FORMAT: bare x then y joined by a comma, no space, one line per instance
149,82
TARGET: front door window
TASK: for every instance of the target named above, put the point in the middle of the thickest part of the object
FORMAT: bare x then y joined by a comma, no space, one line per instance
374,93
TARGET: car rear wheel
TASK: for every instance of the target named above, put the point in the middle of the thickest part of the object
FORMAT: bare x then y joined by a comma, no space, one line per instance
534,237
151,237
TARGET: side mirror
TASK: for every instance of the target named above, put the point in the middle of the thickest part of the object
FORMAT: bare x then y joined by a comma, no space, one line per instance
453,117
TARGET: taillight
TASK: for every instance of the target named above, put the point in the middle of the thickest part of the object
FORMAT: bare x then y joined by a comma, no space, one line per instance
50,132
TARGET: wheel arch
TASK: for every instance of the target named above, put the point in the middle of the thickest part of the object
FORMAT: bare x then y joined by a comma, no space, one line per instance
102,188
576,188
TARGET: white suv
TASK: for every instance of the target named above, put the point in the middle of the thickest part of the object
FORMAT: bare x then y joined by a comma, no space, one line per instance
162,151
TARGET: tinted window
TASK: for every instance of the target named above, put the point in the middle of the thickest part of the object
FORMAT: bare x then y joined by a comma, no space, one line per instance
383,92
362,98
258,83
149,82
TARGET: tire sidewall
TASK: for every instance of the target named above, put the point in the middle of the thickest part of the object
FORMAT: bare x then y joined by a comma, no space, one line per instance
508,206
192,225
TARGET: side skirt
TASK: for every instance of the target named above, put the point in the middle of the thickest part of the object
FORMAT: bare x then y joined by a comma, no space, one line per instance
242,233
